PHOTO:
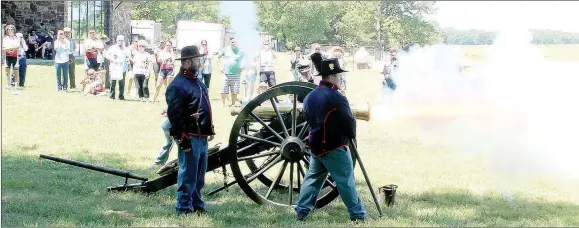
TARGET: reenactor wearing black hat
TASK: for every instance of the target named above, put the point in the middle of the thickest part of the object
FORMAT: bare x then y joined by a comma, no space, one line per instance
332,123
189,112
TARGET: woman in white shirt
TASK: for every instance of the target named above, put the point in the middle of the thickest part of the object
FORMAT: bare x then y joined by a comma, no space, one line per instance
62,49
118,59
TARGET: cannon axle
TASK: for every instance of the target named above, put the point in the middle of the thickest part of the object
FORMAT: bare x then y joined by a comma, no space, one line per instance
293,149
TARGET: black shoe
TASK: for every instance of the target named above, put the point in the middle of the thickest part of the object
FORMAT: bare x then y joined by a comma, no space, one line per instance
122,98
357,221
184,212
301,217
112,98
200,211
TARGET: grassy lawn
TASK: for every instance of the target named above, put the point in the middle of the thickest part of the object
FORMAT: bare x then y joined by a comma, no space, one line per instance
438,186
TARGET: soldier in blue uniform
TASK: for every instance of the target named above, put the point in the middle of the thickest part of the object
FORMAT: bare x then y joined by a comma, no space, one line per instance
328,114
189,113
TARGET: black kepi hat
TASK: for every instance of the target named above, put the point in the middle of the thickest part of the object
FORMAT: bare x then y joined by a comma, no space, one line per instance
190,52
330,66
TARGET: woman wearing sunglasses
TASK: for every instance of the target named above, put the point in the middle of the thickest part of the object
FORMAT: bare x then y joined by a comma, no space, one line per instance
205,72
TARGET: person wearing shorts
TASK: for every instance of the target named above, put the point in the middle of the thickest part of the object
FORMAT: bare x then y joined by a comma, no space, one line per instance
230,85
157,64
10,45
167,60
232,57
93,46
266,65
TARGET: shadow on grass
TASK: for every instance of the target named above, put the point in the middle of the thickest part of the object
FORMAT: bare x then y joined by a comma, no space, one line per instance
37,192
458,207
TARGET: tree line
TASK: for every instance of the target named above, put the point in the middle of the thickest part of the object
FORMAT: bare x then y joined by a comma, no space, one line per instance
300,23
350,23
485,37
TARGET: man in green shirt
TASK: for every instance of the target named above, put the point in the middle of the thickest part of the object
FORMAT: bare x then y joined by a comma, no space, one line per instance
230,66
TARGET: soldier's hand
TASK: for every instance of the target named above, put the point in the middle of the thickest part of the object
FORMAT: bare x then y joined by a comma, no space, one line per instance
185,144
211,137
195,116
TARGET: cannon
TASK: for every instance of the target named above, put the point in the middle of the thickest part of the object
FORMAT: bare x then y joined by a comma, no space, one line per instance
266,152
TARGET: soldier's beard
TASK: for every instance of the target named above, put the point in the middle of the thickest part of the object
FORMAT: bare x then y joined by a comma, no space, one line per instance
193,68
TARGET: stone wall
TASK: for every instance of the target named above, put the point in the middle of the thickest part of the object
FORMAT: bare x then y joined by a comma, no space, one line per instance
38,15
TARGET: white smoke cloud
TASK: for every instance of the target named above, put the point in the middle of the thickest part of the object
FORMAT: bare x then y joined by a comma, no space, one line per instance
518,109
244,22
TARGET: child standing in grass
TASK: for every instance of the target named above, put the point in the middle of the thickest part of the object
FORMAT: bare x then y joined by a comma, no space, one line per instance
166,149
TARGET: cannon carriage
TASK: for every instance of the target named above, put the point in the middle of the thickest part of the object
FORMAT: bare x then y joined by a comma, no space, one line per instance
267,151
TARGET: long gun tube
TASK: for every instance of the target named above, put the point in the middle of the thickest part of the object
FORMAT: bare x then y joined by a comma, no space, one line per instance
116,172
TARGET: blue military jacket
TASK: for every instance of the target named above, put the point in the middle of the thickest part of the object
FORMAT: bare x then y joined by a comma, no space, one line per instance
188,107
330,119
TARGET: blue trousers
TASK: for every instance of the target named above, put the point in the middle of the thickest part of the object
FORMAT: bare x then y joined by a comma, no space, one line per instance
166,149
22,70
62,75
339,164
191,177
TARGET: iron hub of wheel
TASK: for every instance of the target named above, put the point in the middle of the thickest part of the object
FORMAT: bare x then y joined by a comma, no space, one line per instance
293,149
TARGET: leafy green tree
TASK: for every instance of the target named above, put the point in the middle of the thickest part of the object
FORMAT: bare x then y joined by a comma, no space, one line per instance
168,13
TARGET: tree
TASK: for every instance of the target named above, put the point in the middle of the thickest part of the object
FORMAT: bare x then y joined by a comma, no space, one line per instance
298,22
168,13
482,37
120,19
348,22
302,23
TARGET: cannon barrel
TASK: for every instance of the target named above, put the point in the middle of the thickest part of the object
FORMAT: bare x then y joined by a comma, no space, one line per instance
116,172
360,112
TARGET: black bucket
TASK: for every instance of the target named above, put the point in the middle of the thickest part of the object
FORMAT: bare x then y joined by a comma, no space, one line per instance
388,193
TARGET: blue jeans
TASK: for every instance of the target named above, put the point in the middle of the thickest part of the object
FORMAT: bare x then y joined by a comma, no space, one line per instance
62,72
191,177
22,70
166,149
339,164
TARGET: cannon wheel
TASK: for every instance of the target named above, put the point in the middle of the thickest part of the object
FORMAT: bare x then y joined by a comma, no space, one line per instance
291,153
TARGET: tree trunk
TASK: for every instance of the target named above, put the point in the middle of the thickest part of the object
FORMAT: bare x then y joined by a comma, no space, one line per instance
121,19
107,17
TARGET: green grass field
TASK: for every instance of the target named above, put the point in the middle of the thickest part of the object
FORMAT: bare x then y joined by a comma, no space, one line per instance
438,186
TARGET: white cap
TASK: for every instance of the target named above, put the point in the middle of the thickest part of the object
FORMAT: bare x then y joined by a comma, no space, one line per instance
120,37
